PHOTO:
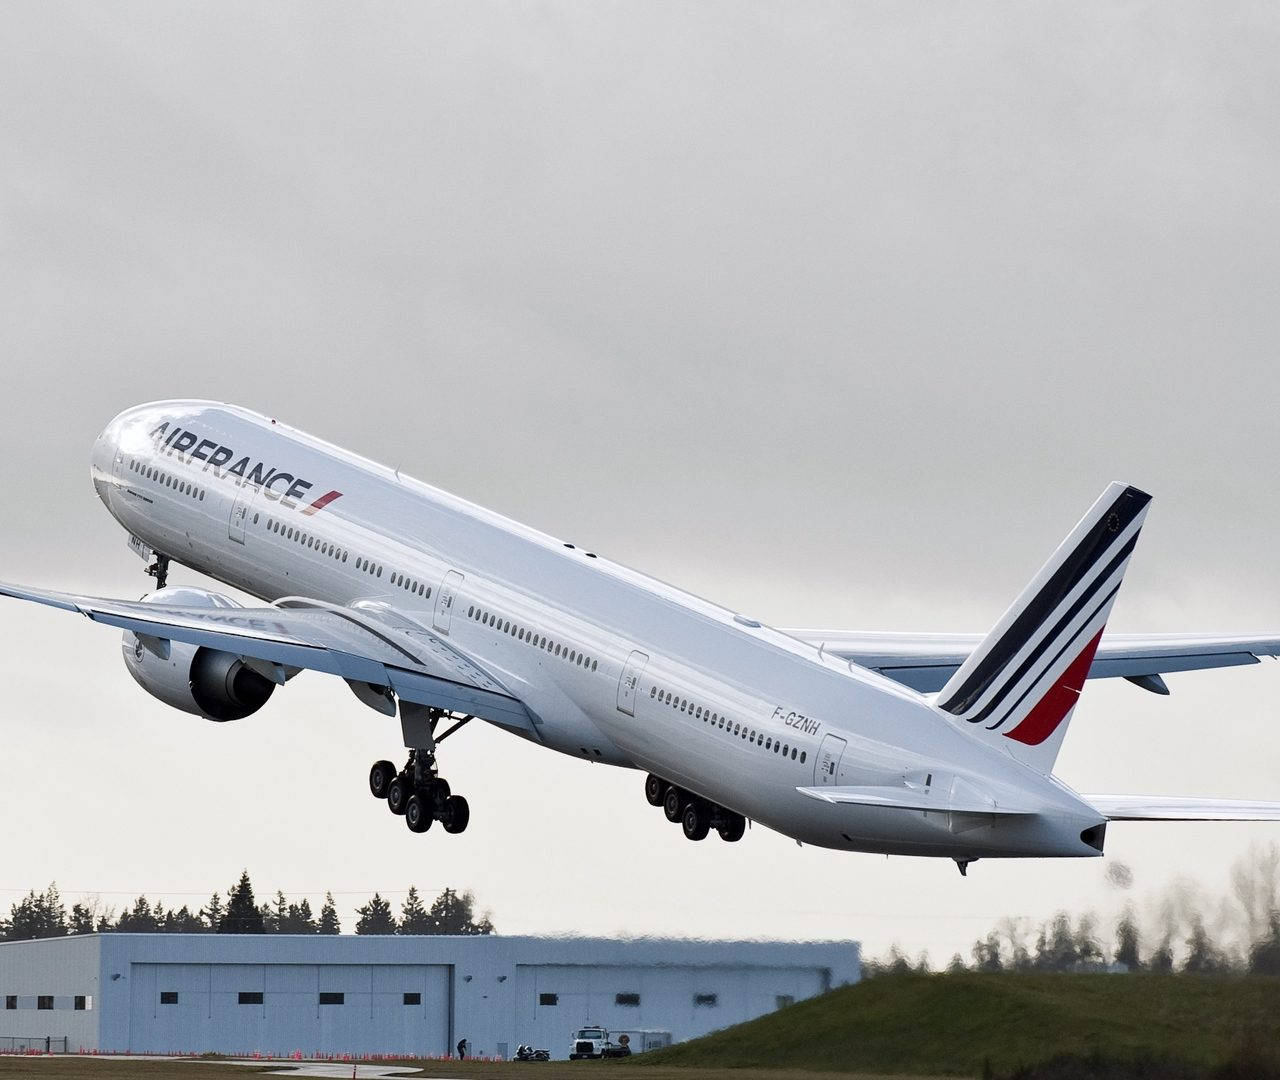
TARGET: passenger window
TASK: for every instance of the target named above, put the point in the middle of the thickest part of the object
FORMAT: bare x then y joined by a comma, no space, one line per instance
803,754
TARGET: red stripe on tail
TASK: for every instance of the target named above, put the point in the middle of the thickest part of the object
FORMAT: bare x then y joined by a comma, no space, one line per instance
1052,709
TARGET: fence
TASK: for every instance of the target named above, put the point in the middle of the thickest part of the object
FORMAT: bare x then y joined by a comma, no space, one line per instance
36,1044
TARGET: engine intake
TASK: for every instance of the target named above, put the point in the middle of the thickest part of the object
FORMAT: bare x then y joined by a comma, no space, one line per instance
206,682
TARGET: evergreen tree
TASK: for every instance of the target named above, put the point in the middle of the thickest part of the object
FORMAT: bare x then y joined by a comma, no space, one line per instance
213,912
454,913
81,921
376,917
298,919
1127,943
279,915
37,915
139,919
183,922
242,915
956,967
413,916
329,917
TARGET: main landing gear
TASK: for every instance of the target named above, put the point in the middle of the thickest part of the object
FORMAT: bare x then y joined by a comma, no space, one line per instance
418,793
694,814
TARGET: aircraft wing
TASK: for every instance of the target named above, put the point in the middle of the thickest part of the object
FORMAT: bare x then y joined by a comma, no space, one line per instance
926,661
370,644
1171,808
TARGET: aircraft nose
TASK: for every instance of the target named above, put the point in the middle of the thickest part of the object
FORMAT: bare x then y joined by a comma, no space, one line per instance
102,460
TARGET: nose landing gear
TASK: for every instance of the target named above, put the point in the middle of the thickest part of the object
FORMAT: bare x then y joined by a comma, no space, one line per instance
417,792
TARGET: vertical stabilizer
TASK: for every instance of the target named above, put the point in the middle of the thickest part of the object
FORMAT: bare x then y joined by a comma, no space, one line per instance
1021,684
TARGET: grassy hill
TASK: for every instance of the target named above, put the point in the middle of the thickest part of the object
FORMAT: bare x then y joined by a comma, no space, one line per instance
952,1024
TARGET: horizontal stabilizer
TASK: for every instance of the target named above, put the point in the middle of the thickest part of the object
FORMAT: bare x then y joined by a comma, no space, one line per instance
1175,808
925,662
902,798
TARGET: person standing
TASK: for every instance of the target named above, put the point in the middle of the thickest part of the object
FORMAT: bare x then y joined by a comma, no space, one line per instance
462,1049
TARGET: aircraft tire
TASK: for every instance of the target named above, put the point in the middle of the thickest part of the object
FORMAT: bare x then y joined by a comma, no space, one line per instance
437,792
398,795
696,821
417,815
455,814
380,777
655,788
732,829
673,804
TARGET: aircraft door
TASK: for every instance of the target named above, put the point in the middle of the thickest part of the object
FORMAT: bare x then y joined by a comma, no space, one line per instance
826,766
240,511
629,681
444,600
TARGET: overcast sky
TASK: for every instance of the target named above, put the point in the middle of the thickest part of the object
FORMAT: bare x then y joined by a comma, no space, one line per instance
838,313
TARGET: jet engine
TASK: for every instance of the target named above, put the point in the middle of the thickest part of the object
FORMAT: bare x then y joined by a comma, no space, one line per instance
207,682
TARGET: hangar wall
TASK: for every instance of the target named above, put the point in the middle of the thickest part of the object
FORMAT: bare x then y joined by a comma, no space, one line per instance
237,994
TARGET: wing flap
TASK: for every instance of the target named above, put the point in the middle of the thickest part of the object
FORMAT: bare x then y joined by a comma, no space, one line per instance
1176,808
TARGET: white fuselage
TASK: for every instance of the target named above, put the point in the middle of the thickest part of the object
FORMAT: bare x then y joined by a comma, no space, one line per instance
753,715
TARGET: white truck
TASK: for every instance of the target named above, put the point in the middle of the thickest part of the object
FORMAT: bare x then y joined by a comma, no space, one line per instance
593,1041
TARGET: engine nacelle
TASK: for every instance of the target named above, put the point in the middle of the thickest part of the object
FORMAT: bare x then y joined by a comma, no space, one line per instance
207,682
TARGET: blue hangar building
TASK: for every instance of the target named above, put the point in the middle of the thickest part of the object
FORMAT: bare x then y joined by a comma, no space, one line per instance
279,994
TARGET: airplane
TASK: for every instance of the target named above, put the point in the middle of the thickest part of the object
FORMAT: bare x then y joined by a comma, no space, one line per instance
439,611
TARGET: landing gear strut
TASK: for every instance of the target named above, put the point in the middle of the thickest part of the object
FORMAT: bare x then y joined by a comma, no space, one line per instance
695,815
160,570
418,793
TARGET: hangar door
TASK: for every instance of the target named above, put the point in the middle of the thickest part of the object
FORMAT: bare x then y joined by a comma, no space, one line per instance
279,1008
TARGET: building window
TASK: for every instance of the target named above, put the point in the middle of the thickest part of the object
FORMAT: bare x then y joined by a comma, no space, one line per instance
331,999
548,999
168,997
709,1000
81,1003
626,999
11,1001
45,1002
250,997
413,999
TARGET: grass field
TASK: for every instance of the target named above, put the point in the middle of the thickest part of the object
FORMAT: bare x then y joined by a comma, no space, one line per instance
953,1024
910,1026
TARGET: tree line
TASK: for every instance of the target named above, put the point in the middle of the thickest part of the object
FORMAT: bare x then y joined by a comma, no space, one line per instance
44,915
1184,930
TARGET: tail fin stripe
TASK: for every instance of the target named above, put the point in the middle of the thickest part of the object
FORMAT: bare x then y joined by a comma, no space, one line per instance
1056,591
1072,643
1043,720
1054,635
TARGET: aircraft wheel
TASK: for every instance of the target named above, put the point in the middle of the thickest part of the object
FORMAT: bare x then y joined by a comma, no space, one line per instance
655,788
416,814
380,777
673,803
455,814
696,821
437,793
398,795
732,828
